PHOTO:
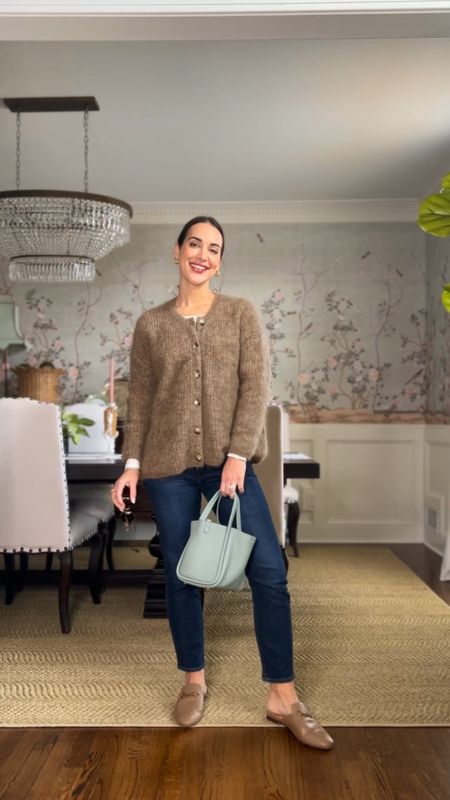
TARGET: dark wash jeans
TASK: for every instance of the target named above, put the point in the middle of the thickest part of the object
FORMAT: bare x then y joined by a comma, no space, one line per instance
176,501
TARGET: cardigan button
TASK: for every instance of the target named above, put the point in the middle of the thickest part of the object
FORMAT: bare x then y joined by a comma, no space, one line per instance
198,457
197,373
195,346
201,321
197,430
196,402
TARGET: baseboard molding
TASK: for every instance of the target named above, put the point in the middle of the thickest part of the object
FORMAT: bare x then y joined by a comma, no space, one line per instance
434,549
362,542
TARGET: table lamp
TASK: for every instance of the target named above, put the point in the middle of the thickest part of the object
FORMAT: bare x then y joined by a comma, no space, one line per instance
11,340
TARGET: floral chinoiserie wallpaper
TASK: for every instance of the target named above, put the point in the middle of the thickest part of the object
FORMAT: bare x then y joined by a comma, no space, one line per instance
352,314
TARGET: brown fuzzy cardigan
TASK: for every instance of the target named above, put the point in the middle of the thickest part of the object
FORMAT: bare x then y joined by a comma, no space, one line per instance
198,389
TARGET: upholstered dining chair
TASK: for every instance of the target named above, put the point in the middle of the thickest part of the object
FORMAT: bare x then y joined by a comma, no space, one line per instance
99,493
290,493
95,499
270,471
35,512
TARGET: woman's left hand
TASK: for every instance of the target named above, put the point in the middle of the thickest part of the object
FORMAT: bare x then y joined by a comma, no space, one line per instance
233,475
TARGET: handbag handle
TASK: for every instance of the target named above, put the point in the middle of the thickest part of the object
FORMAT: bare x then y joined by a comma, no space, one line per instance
235,510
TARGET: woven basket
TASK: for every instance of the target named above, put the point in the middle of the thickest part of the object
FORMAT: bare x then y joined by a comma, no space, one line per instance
39,383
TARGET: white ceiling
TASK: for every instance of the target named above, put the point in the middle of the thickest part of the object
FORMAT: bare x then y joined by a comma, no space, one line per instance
235,120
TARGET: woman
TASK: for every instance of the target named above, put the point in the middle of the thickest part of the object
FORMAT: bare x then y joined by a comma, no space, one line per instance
199,387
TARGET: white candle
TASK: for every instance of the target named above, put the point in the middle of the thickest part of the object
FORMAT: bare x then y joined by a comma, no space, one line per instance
111,381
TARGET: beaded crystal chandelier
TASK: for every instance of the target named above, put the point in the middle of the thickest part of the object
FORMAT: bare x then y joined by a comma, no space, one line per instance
57,236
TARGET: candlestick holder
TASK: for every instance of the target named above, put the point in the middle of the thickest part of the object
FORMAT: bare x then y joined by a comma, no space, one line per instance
110,426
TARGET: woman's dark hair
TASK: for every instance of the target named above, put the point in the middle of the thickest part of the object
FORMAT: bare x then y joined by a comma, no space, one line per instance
195,221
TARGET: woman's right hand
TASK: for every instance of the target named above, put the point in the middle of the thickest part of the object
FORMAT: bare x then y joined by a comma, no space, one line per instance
130,478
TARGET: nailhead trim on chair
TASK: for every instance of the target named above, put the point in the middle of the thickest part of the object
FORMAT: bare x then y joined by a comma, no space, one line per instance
15,550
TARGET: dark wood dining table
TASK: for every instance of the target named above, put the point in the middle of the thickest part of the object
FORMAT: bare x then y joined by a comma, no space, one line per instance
107,468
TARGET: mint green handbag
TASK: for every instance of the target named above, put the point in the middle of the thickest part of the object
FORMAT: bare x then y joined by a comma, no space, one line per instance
216,555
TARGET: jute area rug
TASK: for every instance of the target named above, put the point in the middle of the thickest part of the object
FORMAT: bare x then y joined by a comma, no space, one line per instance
372,647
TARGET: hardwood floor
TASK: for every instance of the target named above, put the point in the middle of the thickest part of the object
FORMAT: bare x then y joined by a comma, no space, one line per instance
231,763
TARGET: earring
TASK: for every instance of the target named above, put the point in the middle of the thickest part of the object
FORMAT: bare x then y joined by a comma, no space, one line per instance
176,260
217,288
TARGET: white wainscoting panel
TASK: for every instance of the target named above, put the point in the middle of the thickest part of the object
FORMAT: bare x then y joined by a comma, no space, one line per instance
371,485
437,485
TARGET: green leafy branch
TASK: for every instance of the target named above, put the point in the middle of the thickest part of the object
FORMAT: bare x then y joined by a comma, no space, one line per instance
74,427
434,218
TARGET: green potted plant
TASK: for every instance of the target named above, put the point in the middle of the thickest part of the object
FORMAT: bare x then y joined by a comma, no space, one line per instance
74,427
434,218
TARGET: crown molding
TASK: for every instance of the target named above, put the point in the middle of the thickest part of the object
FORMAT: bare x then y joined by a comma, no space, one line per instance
183,20
392,210
219,7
